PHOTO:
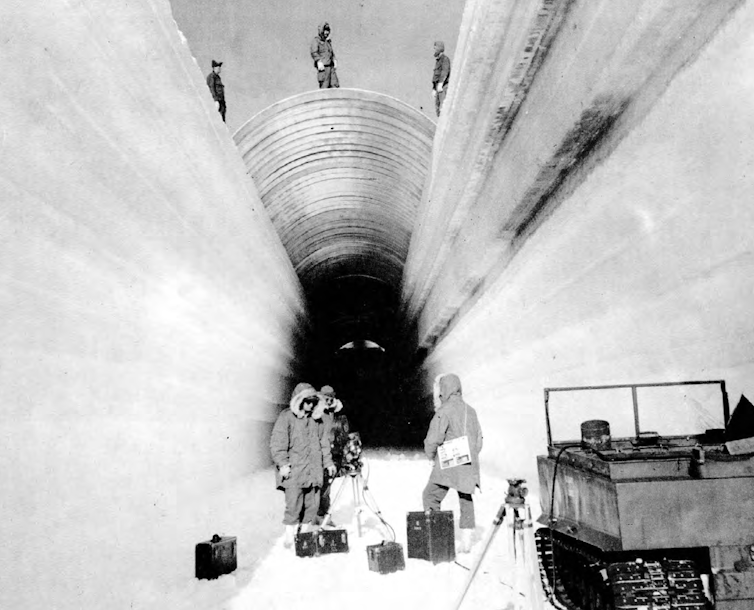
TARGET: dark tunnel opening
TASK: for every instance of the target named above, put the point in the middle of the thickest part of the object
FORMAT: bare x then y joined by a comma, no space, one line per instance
358,343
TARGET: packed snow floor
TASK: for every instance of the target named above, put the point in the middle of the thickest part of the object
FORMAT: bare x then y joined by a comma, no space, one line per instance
394,480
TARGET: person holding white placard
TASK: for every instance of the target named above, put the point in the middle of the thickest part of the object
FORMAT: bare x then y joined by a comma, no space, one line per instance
453,443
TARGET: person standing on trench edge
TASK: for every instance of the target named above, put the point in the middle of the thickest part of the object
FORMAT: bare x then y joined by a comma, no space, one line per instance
216,87
324,58
440,76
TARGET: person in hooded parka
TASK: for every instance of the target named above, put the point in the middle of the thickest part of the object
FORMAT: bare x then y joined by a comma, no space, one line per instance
324,58
453,418
337,427
300,448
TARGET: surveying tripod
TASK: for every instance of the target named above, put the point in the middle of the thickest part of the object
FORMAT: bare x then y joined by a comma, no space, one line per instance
521,548
357,488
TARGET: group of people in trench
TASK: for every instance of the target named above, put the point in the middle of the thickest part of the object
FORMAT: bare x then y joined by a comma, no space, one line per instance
310,437
324,61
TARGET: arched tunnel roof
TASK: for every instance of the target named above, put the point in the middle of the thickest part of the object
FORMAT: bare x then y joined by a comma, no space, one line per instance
341,173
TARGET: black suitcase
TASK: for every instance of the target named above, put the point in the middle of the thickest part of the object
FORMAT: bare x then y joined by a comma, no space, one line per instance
431,535
332,541
306,544
386,557
216,557
323,542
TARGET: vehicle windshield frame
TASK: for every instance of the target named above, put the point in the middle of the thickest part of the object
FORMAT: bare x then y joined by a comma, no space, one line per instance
634,387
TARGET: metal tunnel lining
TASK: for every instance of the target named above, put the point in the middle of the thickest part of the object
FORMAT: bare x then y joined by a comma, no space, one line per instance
341,173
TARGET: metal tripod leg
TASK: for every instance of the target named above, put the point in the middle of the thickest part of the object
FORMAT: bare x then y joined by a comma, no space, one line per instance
497,521
356,485
328,516
522,549
357,482
527,579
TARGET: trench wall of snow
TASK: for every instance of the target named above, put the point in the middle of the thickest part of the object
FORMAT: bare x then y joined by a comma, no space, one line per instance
146,307
644,274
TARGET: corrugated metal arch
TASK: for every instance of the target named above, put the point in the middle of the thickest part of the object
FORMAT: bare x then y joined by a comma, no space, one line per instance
341,174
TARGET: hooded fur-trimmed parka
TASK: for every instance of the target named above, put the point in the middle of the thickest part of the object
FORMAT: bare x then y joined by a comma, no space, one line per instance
447,424
301,441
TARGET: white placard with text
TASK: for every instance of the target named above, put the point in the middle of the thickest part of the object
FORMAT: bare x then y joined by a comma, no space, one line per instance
454,453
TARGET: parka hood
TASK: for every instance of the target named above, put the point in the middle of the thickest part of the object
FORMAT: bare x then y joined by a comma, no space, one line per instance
450,385
300,393
321,30
329,392
327,395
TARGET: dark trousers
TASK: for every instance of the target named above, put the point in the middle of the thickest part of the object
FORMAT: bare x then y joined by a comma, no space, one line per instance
324,497
328,78
439,98
434,494
301,505
222,109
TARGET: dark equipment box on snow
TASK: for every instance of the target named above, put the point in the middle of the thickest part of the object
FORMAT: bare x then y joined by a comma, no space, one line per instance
431,535
322,542
386,557
216,557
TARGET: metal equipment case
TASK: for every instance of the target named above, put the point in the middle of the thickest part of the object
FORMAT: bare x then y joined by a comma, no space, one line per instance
322,542
215,557
306,544
431,536
332,541
386,557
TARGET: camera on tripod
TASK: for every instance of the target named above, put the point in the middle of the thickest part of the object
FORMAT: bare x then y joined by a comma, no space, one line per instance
352,448
517,492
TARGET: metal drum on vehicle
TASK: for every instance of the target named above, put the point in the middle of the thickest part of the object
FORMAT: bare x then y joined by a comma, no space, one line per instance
595,435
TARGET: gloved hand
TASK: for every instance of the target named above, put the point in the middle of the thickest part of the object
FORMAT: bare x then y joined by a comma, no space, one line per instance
217,105
285,471
439,87
434,93
320,65
331,471
335,64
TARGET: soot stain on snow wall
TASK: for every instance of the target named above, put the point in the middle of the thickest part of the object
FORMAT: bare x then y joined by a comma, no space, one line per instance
594,127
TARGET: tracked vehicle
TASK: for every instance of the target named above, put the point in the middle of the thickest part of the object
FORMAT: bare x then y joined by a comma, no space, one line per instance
659,516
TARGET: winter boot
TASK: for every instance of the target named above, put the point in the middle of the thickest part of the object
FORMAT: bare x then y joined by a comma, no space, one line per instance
464,544
290,535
